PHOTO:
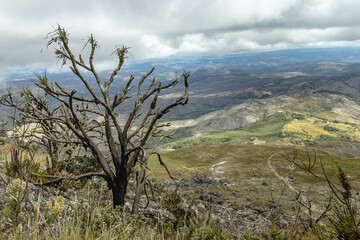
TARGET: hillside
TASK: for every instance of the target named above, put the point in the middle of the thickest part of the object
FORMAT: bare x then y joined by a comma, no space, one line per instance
279,119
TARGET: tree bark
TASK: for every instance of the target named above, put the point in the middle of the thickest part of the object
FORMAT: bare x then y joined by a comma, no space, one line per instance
137,198
118,197
119,188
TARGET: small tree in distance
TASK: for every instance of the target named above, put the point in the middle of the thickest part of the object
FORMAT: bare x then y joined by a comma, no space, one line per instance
125,142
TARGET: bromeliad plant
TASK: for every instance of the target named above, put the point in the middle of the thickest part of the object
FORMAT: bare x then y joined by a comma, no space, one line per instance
344,217
16,219
12,211
17,166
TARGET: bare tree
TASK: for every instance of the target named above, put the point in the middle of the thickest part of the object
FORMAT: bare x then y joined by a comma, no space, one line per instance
125,142
33,120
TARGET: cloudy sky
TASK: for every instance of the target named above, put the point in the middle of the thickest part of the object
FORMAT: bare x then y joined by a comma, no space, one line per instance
161,28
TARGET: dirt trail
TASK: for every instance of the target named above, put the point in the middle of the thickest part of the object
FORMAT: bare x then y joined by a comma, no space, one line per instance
287,182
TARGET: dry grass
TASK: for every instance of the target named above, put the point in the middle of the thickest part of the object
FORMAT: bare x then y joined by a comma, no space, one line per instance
312,128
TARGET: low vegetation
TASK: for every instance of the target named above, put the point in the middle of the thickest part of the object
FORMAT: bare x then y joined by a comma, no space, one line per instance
248,174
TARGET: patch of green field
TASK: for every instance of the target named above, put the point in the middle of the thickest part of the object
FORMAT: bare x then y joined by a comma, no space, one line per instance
279,127
310,105
268,130
182,133
327,115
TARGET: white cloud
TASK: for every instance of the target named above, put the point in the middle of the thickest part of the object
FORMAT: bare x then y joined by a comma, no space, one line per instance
156,47
161,28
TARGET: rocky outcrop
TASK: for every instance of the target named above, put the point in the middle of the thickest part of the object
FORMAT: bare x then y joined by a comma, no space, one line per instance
243,114
235,117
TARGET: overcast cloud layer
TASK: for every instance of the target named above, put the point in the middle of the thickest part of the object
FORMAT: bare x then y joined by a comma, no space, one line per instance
161,28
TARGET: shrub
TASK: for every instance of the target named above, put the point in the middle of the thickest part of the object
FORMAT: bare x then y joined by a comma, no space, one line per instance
15,196
330,129
81,164
174,204
18,167
297,116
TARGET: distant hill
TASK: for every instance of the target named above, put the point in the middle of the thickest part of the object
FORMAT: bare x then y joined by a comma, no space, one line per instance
282,119
249,60
220,82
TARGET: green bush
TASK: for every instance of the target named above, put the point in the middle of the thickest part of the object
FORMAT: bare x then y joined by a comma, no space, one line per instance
326,137
330,129
297,116
80,164
13,209
201,230
174,204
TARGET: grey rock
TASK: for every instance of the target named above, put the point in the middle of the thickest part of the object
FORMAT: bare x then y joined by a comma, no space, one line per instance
223,180
201,178
227,214
158,213
264,183
35,194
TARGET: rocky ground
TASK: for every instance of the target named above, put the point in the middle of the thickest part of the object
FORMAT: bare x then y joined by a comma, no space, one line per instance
238,219
197,195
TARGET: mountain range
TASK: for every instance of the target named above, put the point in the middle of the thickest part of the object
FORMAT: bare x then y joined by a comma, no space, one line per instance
235,91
